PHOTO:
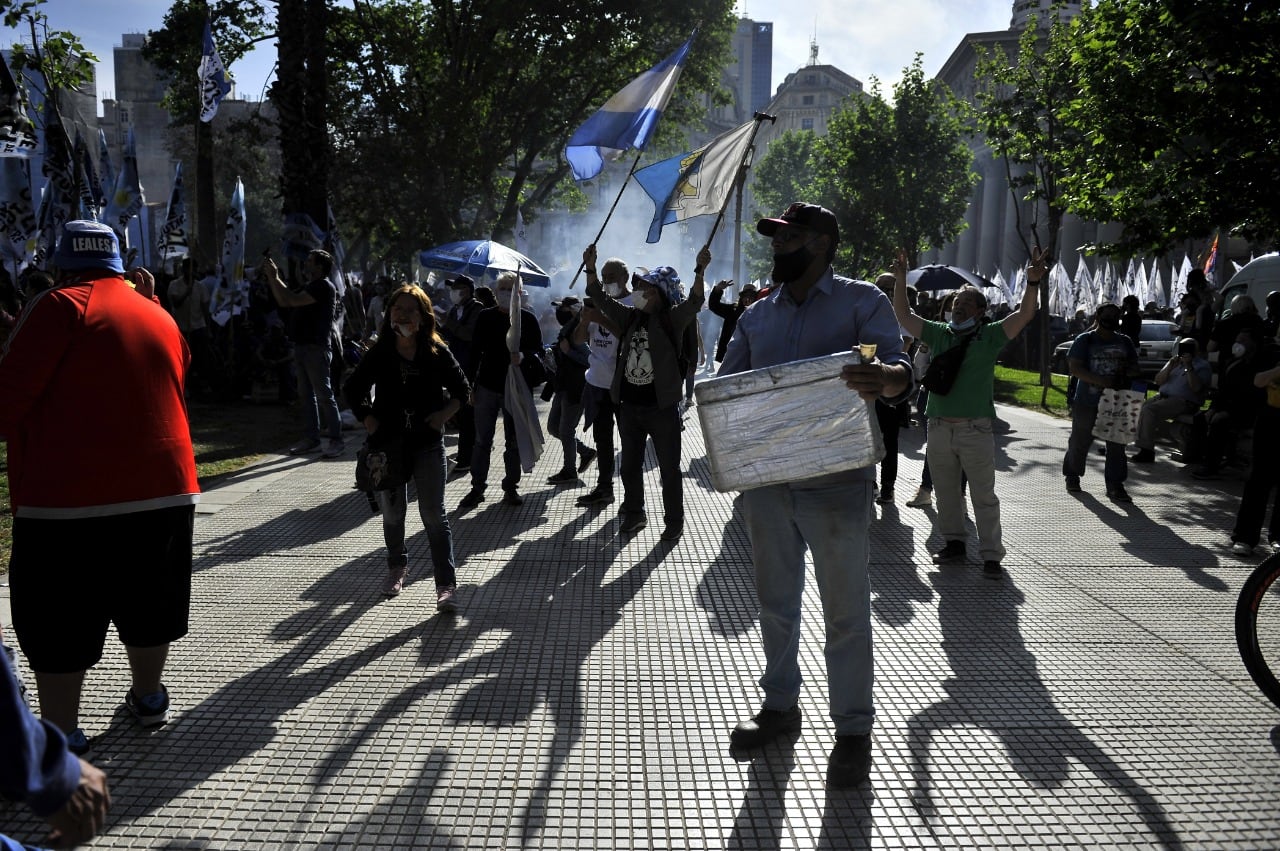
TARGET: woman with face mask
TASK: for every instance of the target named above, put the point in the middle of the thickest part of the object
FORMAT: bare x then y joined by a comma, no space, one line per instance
404,390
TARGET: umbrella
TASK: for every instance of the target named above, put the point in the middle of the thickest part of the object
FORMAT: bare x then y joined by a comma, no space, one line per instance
481,259
938,277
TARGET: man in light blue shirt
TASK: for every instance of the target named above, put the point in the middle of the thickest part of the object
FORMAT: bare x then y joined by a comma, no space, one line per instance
810,313
1184,382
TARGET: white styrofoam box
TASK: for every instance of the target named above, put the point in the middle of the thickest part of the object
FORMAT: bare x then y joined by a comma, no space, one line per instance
785,423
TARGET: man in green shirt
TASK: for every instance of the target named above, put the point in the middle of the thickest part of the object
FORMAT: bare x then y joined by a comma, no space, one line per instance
960,434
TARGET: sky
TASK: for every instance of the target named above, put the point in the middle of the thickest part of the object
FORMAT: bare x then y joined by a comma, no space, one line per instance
863,38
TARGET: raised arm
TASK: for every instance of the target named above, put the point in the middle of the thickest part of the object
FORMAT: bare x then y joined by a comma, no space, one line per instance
907,319
1014,324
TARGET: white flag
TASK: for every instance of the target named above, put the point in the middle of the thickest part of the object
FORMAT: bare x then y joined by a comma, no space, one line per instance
230,296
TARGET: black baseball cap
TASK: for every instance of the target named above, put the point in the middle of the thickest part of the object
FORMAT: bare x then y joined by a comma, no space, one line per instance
808,216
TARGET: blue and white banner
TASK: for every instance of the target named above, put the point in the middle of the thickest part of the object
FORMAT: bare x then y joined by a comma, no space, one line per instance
697,183
213,77
127,199
17,130
174,243
231,296
17,212
627,120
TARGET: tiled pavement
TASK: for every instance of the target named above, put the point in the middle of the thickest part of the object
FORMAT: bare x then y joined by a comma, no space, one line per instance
583,697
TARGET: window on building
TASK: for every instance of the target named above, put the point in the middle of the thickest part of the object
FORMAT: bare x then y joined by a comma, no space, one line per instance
806,123
808,100
811,79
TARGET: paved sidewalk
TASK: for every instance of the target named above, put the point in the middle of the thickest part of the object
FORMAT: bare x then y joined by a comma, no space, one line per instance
583,696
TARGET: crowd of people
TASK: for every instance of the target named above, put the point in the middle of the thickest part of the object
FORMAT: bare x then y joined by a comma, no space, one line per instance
461,357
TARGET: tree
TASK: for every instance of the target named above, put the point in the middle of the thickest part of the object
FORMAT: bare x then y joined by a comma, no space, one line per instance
1021,104
1174,112
447,118
783,175
896,175
57,56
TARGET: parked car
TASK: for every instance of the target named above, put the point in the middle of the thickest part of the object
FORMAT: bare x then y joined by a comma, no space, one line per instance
1156,344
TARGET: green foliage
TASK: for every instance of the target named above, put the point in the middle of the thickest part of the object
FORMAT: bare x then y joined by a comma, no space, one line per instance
896,175
175,47
1021,102
57,56
782,175
1175,105
446,119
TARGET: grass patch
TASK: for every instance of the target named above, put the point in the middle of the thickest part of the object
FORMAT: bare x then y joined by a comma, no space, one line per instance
1021,388
226,438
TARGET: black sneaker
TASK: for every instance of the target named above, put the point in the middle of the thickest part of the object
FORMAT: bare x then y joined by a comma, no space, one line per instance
672,532
850,762
512,498
585,456
767,725
953,551
1143,456
992,569
474,497
564,477
599,496
1073,484
150,710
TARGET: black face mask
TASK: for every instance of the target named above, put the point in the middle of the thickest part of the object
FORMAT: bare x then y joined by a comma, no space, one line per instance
790,266
563,316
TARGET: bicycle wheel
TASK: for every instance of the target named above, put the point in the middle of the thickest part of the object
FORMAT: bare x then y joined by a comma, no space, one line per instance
1258,626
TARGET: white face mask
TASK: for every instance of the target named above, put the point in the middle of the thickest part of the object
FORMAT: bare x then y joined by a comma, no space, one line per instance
958,324
1238,350
613,289
457,296
404,330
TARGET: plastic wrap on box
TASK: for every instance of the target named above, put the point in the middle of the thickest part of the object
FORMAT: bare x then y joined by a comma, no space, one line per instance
785,423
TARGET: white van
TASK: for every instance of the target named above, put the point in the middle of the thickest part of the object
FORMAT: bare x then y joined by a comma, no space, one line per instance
1255,279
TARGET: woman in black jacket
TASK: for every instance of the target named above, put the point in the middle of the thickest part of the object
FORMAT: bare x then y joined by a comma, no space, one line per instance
404,390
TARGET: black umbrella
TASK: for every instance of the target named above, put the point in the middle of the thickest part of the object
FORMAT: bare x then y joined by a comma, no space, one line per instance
938,277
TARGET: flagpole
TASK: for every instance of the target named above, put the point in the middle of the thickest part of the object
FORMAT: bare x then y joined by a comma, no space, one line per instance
759,117
582,265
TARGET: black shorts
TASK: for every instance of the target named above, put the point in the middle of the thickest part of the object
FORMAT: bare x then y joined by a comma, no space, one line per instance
71,579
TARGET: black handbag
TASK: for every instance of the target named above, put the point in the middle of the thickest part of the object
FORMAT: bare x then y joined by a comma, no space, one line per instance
380,467
941,375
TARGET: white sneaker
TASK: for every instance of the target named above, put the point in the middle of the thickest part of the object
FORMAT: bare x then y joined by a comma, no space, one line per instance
333,448
1240,548
922,499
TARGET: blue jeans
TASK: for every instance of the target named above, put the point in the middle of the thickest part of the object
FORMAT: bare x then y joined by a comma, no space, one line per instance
488,409
316,391
562,421
1115,469
832,522
428,478
635,423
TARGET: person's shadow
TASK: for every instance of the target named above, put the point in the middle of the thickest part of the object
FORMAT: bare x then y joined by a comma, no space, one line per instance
996,685
763,815
520,644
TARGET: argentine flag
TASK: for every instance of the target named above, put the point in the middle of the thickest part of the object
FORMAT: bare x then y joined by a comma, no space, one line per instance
697,183
627,119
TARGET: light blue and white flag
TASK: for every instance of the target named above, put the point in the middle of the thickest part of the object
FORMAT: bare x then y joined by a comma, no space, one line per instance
627,120
106,171
174,243
230,297
17,130
127,199
213,77
697,183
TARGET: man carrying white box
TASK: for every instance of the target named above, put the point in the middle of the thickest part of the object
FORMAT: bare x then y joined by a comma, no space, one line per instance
812,312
